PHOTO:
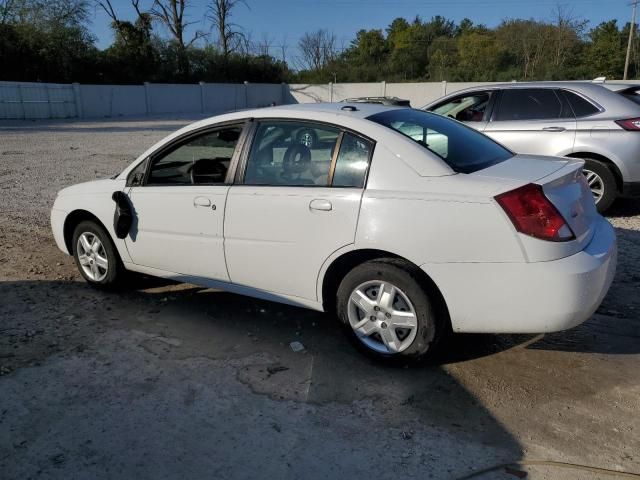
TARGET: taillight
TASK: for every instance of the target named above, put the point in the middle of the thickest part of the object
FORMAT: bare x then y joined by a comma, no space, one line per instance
630,123
533,214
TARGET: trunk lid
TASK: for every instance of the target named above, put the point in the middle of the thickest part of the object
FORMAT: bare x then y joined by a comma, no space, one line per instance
564,184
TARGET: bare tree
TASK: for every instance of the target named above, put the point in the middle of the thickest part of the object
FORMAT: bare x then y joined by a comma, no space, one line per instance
171,14
119,25
263,47
229,36
317,49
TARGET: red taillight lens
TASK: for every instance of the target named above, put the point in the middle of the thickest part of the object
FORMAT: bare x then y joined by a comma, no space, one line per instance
533,214
630,123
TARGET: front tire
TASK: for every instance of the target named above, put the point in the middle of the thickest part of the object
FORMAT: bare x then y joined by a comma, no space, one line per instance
387,312
601,182
96,256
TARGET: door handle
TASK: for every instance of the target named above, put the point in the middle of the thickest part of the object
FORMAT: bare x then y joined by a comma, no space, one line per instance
554,129
320,204
201,202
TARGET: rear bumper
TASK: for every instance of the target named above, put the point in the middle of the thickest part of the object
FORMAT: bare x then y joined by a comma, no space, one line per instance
529,297
631,189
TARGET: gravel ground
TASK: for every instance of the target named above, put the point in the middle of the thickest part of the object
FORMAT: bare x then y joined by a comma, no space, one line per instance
165,381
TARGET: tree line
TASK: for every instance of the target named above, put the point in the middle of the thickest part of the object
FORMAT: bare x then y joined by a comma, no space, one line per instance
50,41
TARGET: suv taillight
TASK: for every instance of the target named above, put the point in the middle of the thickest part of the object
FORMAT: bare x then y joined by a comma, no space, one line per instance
630,123
533,214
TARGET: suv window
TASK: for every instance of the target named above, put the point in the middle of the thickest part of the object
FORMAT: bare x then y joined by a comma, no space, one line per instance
291,153
203,159
464,149
581,106
353,160
529,104
465,108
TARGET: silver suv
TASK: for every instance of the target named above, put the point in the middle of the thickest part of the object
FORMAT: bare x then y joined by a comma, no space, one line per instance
597,122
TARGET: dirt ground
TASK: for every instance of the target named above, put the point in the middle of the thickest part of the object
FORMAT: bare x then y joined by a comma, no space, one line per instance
167,381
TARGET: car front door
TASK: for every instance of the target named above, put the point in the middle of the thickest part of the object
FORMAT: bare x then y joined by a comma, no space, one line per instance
179,205
533,120
294,203
472,108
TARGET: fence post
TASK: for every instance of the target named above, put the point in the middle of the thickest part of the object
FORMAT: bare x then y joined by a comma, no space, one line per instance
283,93
24,112
246,94
46,89
384,88
331,92
201,97
147,98
444,88
77,98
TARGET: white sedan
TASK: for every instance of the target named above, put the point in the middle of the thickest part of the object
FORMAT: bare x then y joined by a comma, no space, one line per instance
404,223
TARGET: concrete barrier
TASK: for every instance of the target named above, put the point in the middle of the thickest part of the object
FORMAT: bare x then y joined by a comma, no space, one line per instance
25,100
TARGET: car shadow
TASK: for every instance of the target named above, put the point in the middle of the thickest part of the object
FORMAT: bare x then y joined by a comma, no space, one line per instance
422,411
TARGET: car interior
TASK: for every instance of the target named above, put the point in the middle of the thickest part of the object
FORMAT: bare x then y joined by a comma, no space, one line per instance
201,160
282,156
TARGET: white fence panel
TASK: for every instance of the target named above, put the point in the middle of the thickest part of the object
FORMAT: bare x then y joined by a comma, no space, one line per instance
169,98
36,100
112,100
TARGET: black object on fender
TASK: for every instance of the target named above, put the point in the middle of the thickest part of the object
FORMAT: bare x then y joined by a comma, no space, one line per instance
123,217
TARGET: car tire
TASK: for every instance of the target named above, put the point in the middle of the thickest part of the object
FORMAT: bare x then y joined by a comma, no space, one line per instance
599,174
98,263
307,137
372,330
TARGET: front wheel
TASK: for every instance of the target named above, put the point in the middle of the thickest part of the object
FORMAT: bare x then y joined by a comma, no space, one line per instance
601,182
95,255
387,312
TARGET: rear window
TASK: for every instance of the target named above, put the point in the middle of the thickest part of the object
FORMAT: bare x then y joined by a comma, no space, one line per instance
464,149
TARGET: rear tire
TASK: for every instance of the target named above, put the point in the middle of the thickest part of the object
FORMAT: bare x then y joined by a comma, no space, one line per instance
96,256
601,182
387,312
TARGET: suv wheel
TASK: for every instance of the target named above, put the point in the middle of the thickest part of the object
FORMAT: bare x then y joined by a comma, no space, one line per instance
601,182
95,255
386,311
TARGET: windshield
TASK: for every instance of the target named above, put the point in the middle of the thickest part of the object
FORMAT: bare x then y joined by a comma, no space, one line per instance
464,149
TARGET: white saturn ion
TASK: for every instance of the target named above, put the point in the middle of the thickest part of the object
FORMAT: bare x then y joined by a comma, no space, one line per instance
405,223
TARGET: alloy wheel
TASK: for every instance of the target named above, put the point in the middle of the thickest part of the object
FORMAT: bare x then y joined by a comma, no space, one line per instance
92,256
382,317
596,184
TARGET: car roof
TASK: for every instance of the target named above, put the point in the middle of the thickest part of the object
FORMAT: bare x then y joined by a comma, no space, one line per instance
596,91
358,109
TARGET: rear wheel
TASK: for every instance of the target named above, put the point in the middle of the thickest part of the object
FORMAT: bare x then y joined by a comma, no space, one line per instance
95,255
386,311
601,182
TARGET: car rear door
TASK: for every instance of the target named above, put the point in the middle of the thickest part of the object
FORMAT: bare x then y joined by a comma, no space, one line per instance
179,204
533,120
293,204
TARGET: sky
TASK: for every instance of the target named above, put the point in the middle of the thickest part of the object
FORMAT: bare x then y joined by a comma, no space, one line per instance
283,22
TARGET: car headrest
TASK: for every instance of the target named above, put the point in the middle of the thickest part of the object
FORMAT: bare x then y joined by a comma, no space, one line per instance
296,159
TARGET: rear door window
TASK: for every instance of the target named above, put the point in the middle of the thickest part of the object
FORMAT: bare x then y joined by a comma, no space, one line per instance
529,104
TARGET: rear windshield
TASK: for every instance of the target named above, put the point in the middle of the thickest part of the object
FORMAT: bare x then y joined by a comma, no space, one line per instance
464,149
632,94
